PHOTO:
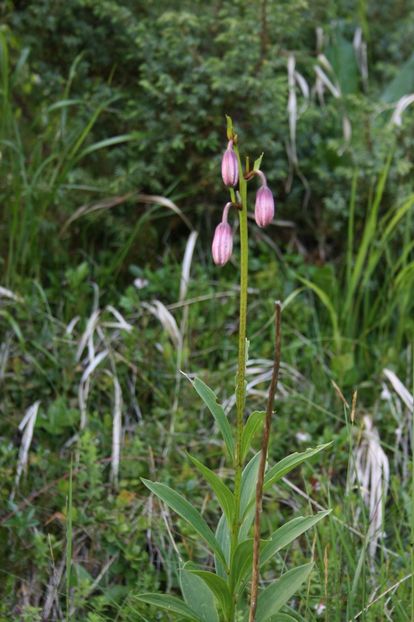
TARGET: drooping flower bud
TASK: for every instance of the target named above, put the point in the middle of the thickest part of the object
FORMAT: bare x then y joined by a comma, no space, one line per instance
265,206
229,166
222,246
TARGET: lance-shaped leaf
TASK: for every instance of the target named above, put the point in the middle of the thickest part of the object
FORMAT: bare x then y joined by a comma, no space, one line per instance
210,400
277,594
187,511
219,588
285,465
223,537
248,486
198,595
285,535
223,493
171,604
253,424
241,565
289,532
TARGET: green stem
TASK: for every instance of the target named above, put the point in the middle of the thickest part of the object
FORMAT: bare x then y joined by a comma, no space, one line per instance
241,372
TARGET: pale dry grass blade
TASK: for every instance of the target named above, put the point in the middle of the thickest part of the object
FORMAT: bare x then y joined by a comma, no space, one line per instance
4,358
111,202
121,321
400,106
372,473
93,364
400,403
361,54
7,293
334,90
94,207
167,320
159,200
83,392
27,427
292,108
72,324
401,390
188,257
116,433
86,336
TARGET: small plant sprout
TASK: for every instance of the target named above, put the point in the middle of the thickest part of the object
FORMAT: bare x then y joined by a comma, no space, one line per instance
225,586
222,246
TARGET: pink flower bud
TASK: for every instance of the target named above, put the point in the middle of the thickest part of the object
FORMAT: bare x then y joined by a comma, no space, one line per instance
229,166
222,246
265,206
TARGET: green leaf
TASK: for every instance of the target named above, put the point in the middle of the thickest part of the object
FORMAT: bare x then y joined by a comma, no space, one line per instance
223,538
402,84
327,302
341,55
198,595
224,495
248,485
283,617
210,400
171,604
242,562
285,465
258,162
230,131
277,594
253,424
108,142
218,586
289,532
186,510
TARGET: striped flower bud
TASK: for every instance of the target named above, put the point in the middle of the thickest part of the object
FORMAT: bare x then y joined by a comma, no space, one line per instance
222,246
229,166
265,206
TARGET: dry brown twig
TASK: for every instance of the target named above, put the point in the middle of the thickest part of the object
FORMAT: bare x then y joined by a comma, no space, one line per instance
262,465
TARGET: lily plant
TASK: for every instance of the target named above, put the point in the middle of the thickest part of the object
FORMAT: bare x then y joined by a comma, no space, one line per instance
226,587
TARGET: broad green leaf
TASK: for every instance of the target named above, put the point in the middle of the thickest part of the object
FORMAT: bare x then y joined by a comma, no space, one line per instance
223,538
210,400
341,55
285,465
287,533
218,586
253,424
198,596
171,604
248,485
224,495
402,84
186,510
277,594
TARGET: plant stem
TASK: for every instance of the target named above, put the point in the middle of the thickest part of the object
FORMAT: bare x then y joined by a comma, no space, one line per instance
241,371
262,466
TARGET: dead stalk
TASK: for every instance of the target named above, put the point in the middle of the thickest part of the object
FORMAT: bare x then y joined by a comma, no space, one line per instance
262,466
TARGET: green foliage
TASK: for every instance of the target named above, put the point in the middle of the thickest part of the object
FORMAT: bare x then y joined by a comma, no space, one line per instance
101,103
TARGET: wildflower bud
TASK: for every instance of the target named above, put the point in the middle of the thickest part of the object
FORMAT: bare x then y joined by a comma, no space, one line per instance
222,246
265,206
229,166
